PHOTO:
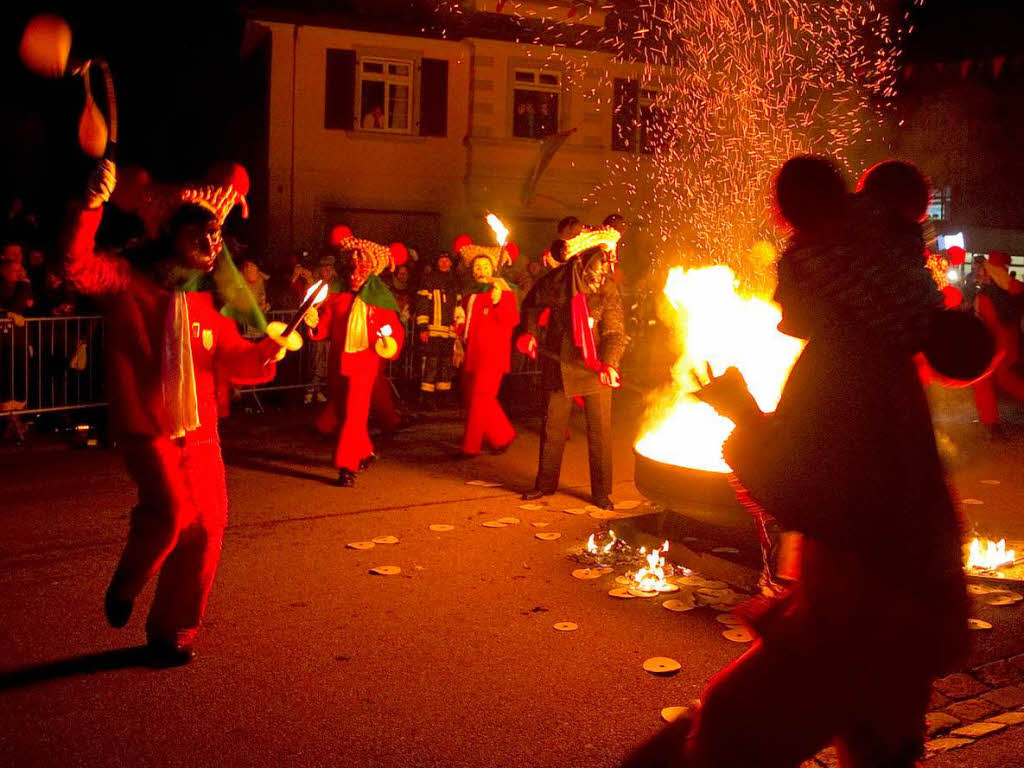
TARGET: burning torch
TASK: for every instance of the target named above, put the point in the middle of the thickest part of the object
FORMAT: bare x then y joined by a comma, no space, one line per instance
285,334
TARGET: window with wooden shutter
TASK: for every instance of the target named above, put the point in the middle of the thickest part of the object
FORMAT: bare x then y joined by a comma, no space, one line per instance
340,95
434,97
624,114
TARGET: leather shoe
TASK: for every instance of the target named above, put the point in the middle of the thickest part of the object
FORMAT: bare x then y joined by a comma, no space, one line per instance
604,503
118,611
164,654
346,478
366,461
534,493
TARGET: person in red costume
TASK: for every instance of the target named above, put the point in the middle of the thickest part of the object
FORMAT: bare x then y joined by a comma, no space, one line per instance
169,352
997,306
362,323
488,316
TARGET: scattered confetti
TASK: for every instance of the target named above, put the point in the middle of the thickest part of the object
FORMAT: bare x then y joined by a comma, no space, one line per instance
662,665
621,593
575,511
442,527
586,574
386,570
679,606
566,626
627,504
508,520
738,635
547,536
1003,598
540,525
360,545
484,483
604,514
642,592
990,482
532,507
494,524
385,540
972,502
978,624
728,619
671,714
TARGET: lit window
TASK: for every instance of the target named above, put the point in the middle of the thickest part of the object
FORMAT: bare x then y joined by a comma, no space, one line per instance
385,95
939,204
535,103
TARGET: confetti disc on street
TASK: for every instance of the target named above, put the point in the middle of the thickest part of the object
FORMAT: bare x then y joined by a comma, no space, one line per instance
990,482
540,525
494,524
728,619
360,545
726,550
642,592
592,508
973,502
662,665
980,589
624,580
508,520
442,527
978,624
671,714
548,536
385,540
566,626
585,574
622,593
627,504
484,483
738,635
575,511
532,507
720,607
1003,598
679,606
604,514
668,589
604,569
386,570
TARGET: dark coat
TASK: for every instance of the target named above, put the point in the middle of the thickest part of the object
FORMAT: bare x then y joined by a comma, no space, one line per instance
562,363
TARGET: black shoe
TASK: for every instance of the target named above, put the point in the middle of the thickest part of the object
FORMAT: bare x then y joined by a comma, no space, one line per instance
604,503
366,461
164,654
118,611
534,493
346,478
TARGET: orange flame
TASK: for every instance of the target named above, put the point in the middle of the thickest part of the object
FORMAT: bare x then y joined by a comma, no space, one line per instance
498,228
724,328
321,288
985,554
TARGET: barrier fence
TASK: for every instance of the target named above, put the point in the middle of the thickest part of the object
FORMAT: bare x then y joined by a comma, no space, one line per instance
51,364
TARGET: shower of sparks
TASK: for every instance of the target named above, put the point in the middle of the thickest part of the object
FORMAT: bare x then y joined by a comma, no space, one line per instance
729,90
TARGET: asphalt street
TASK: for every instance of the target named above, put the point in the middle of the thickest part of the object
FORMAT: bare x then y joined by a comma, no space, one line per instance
308,659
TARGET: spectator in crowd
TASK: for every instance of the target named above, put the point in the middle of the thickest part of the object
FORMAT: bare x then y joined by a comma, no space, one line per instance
374,119
436,301
256,280
15,288
402,288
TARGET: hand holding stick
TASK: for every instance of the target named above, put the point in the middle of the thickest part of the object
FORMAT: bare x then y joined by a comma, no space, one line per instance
728,394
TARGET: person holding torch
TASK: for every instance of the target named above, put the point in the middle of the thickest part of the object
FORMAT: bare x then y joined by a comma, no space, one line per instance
171,354
362,322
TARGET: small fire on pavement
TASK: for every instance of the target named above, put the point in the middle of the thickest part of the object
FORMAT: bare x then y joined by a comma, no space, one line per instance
646,571
990,558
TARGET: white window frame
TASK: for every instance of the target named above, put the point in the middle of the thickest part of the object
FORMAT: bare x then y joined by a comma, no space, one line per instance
388,78
536,85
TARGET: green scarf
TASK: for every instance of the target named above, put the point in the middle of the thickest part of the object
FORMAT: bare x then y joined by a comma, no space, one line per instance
232,291
375,293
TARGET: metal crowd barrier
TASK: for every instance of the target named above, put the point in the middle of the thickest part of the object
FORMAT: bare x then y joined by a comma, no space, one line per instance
50,364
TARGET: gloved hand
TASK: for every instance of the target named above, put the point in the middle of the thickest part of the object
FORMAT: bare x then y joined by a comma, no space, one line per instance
272,349
610,377
101,184
727,394
527,344
311,318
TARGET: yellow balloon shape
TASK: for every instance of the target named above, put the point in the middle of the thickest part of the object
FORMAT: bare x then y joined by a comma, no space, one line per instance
46,45
92,129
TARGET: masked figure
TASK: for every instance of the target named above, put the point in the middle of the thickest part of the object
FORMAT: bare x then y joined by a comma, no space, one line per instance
170,352
582,348
361,320
486,320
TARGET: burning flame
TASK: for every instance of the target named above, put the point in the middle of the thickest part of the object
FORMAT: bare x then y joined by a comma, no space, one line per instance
320,287
987,555
593,549
719,326
651,578
498,228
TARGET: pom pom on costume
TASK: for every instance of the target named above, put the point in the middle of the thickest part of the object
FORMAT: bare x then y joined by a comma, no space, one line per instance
952,296
339,234
461,242
230,175
399,255
957,255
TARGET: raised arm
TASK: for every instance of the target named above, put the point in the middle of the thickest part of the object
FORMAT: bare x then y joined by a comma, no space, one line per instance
87,271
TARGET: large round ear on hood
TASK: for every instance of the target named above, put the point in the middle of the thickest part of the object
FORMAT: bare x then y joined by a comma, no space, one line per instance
810,193
896,186
461,242
959,348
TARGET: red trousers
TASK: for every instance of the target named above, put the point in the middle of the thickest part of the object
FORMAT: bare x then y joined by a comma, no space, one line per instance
986,399
176,529
486,420
350,403
382,404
